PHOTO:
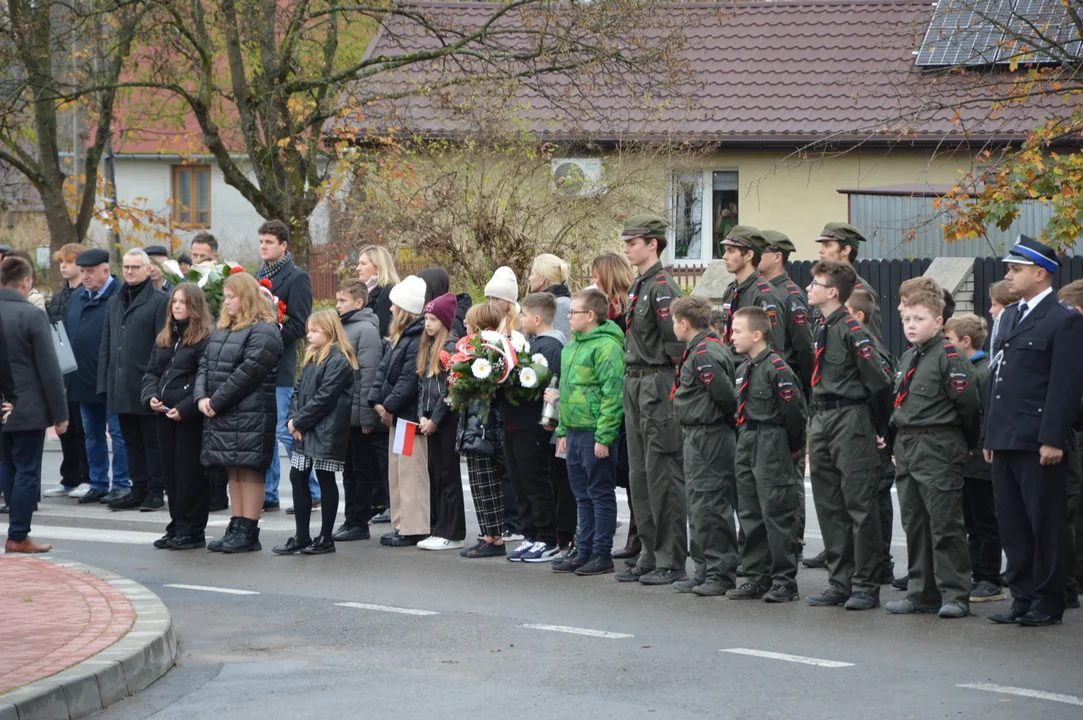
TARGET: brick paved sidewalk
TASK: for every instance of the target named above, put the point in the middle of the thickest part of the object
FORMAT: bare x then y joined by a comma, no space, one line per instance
53,617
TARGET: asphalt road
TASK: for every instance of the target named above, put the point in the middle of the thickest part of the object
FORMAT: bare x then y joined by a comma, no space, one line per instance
479,639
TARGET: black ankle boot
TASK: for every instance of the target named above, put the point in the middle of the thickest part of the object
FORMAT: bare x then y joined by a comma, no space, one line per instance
216,545
246,538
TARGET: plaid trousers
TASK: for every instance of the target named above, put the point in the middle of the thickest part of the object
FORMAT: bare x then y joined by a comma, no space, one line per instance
485,478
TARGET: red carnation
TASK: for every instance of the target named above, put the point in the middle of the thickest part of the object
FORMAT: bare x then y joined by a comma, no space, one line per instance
265,283
235,270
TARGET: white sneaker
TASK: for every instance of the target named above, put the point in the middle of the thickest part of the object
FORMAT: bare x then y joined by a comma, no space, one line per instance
58,491
439,543
79,491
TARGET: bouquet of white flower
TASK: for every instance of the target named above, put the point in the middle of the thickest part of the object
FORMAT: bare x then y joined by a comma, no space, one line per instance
486,364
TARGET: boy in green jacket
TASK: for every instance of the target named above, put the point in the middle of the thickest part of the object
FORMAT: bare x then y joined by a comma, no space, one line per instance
591,411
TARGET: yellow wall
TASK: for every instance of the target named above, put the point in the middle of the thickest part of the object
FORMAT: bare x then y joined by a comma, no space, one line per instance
799,197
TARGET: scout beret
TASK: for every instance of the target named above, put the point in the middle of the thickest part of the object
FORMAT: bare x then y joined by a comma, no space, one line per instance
1028,251
92,258
747,237
777,241
156,250
843,232
649,226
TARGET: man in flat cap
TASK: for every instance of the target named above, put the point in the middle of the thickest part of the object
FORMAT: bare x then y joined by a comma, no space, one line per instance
839,242
798,351
85,322
158,255
655,444
1034,399
743,247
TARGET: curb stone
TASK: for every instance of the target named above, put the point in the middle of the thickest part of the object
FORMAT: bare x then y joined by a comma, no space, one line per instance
127,666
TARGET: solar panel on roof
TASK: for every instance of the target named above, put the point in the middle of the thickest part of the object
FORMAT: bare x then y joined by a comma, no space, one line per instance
986,32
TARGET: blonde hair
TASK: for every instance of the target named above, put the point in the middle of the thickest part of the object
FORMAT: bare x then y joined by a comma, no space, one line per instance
199,317
255,306
327,322
552,268
69,252
1000,294
971,326
400,319
428,355
482,317
615,277
380,256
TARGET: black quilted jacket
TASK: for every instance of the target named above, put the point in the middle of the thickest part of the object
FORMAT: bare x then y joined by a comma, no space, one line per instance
238,373
320,408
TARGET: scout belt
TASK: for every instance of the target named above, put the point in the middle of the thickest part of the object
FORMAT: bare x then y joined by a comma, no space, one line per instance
834,402
757,424
638,372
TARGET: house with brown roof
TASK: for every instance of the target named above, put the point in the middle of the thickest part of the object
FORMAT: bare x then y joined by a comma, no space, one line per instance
806,112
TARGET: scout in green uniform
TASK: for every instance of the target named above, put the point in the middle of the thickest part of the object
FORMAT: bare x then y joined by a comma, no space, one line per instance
771,421
848,384
743,248
839,242
655,477
861,304
797,350
968,334
705,402
937,418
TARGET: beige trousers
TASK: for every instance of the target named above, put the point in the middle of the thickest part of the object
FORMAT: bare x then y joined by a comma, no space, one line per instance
408,486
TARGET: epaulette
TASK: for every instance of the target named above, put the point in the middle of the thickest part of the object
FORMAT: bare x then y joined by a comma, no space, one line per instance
701,348
779,363
661,279
852,323
765,287
793,289
949,349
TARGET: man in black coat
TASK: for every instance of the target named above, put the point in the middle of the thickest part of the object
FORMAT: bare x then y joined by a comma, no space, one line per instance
291,285
74,468
84,319
135,316
38,388
1033,401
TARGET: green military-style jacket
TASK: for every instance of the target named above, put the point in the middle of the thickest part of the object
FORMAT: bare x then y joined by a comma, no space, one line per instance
755,291
850,363
796,325
703,392
650,341
975,465
941,391
774,395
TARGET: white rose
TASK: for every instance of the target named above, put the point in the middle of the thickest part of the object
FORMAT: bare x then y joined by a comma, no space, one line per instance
539,359
528,378
481,368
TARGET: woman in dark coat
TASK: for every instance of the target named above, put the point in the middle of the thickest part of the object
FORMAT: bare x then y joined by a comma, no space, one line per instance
376,268
235,391
319,421
169,390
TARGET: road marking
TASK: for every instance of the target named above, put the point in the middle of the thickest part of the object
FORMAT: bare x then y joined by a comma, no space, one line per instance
788,658
577,631
122,537
208,588
1023,692
386,608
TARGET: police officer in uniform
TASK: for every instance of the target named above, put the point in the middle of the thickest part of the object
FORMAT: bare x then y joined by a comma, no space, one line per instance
797,349
655,477
840,242
1033,401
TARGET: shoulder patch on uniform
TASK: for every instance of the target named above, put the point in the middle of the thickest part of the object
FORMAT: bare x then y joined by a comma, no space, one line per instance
960,384
800,317
787,393
663,312
706,376
865,351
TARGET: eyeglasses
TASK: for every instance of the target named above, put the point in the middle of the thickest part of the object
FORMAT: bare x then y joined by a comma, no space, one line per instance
132,268
578,312
814,283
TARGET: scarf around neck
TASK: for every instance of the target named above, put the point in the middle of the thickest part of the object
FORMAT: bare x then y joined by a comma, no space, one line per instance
269,270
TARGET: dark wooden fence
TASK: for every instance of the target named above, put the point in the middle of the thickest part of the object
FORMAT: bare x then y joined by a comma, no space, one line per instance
988,270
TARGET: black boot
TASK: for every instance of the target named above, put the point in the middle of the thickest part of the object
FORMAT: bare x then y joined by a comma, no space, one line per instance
216,545
246,539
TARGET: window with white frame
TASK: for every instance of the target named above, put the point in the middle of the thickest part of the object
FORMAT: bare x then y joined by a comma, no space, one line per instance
699,220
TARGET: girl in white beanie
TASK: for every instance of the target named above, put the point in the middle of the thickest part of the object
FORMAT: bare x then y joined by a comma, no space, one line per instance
502,292
394,396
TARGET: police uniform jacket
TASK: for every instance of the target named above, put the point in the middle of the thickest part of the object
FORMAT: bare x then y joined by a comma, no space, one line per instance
703,390
772,396
935,387
797,330
650,341
1037,384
